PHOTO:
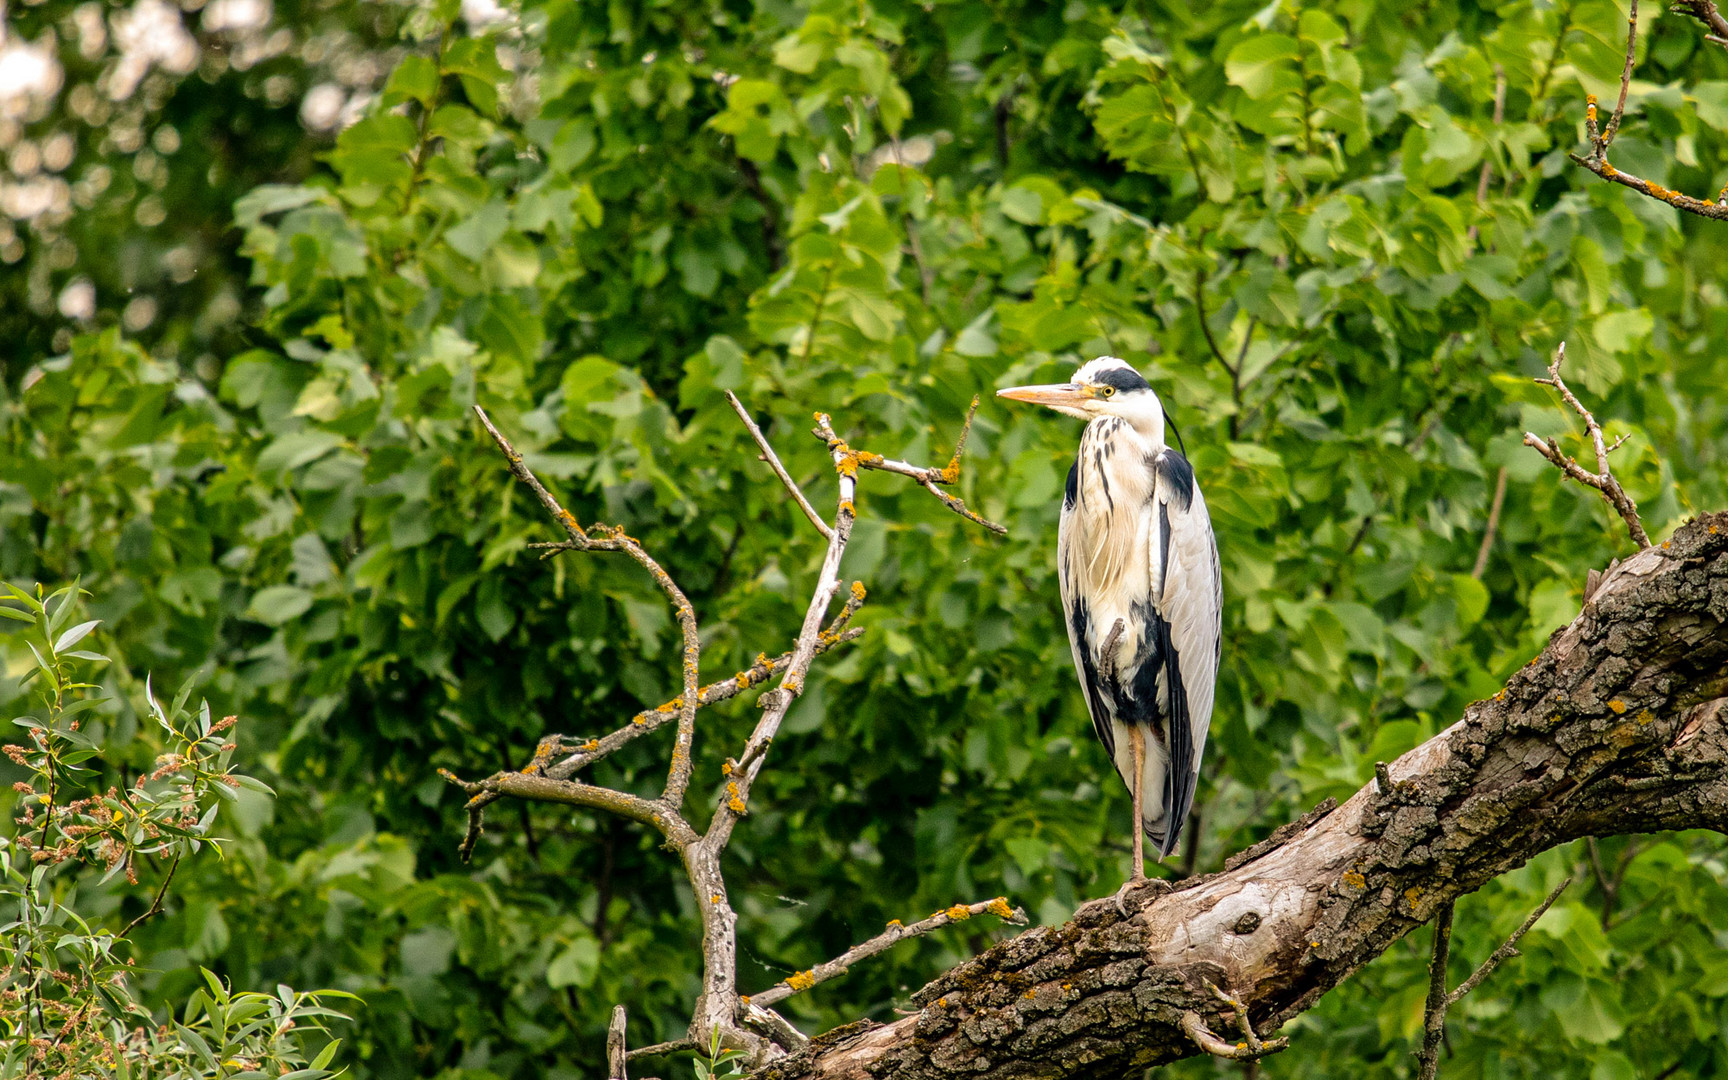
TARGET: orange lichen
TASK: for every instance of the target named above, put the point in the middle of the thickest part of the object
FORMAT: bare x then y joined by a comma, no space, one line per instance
959,912
1412,894
846,507
865,457
639,718
941,1003
895,924
1030,994
1617,706
1355,880
591,744
803,980
734,800
999,908
715,899
1609,170
726,768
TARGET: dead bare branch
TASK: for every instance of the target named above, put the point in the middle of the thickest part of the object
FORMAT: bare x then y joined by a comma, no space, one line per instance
1603,480
720,1011
773,461
614,538
846,457
1597,160
887,939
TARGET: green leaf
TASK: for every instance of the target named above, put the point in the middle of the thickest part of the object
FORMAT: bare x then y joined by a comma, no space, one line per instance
1262,65
278,604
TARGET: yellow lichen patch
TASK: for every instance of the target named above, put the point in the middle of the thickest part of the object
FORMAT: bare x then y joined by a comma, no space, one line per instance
895,924
999,908
668,707
1646,717
803,980
734,801
743,679
1664,545
639,718
715,899
1355,880
858,592
1623,735
763,661
959,912
726,768
1030,994
1617,706
591,744
567,519
941,1003
1412,894
1609,170
846,507
865,457
745,999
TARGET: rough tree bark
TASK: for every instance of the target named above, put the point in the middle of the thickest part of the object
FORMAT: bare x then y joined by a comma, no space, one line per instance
1617,727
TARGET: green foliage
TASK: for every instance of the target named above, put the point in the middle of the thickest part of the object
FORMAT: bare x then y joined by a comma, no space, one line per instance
70,1006
595,219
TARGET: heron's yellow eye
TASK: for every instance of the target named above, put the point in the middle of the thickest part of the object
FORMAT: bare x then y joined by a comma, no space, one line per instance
1107,391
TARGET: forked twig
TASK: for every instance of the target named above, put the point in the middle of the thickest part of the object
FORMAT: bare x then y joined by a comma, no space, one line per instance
1603,480
1251,1048
1434,1013
887,939
846,458
1597,160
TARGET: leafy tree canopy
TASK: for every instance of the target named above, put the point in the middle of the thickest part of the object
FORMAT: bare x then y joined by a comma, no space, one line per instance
261,260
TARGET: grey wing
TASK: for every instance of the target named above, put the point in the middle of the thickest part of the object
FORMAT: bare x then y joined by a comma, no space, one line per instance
1188,598
1077,617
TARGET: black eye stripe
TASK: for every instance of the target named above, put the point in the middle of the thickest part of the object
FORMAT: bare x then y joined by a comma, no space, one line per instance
1122,378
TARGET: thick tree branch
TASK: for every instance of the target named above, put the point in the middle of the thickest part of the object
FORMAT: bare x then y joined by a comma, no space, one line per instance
1602,480
1619,726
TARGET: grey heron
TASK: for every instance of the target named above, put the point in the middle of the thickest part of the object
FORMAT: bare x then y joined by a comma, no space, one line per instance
1141,593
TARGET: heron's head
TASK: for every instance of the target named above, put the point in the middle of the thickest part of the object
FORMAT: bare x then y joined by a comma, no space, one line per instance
1102,387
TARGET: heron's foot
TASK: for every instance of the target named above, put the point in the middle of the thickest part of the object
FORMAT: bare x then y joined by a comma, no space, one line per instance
1157,885
1252,1048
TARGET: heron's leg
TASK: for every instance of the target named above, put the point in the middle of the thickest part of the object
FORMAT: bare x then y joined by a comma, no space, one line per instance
1137,748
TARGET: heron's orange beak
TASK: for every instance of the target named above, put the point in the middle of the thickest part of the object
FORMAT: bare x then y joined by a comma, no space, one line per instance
1055,395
